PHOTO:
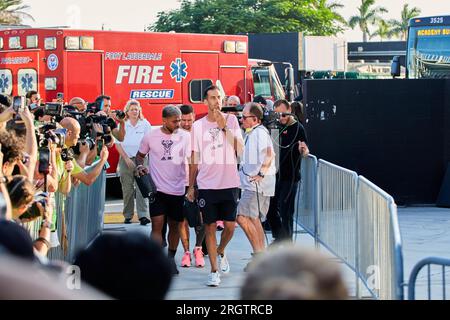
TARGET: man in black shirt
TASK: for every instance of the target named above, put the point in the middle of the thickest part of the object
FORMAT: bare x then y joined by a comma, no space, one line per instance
292,147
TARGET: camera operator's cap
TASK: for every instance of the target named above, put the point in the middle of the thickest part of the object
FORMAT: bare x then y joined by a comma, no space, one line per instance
260,99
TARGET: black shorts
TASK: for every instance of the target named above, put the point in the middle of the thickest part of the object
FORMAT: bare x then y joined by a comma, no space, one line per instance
169,205
217,205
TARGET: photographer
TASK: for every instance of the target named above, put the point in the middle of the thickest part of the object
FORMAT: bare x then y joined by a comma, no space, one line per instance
73,134
21,193
293,147
40,117
104,105
136,128
78,103
257,174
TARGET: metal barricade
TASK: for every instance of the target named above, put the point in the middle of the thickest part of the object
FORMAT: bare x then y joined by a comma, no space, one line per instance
337,211
80,218
433,278
356,221
379,251
305,200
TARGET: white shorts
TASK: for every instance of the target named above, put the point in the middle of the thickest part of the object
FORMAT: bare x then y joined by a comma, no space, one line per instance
249,207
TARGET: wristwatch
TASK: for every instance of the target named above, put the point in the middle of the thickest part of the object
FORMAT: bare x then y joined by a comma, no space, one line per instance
261,174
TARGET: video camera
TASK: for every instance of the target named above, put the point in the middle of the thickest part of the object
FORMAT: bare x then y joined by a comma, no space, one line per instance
88,132
271,119
50,132
237,110
54,109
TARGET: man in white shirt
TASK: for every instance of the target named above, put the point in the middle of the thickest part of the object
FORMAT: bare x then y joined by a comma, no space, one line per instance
257,173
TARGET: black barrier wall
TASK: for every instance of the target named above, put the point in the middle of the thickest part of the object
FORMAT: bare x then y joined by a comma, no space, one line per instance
280,47
396,133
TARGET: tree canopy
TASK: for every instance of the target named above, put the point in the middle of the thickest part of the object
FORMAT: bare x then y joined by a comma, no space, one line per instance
313,17
11,12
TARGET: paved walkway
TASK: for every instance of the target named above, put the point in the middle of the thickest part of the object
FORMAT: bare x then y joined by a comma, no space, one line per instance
425,232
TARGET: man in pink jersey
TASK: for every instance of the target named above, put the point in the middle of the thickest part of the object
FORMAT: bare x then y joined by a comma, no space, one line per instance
216,142
168,149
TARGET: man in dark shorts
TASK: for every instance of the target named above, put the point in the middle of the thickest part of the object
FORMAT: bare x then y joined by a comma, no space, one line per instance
168,149
216,139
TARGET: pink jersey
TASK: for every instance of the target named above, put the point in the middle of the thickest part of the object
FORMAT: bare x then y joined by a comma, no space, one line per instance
217,167
167,159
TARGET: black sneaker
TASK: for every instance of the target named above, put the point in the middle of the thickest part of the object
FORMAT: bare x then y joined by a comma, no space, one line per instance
127,221
144,221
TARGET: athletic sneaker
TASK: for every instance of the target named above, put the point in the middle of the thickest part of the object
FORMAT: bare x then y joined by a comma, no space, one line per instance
186,260
199,260
223,263
213,279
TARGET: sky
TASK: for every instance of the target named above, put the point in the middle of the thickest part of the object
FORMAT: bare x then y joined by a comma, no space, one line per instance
135,15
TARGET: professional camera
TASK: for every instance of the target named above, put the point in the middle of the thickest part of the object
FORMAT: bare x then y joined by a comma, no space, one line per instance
67,154
54,109
237,110
119,114
49,132
89,141
34,211
107,125
271,119
94,107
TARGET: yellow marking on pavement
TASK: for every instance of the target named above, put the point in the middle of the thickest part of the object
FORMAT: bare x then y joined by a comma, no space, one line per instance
116,218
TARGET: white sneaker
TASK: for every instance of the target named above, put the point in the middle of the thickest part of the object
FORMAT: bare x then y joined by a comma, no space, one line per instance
213,279
223,263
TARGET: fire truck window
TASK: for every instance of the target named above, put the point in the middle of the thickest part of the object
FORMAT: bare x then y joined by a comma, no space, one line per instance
261,80
196,89
26,81
6,83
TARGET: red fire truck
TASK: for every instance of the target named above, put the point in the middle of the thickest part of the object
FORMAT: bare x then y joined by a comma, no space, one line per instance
155,68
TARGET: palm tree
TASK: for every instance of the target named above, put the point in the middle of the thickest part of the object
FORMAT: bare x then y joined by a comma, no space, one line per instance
11,12
384,31
332,7
368,15
400,27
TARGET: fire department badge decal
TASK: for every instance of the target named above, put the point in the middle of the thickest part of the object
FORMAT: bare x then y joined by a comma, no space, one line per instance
52,62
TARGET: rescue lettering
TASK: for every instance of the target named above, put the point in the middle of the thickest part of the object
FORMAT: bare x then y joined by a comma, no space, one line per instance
152,94
140,74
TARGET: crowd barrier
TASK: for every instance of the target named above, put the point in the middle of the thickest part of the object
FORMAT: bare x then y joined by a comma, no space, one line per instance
79,218
434,278
356,221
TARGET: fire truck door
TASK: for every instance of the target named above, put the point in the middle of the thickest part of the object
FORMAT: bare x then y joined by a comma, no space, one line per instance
84,75
202,71
234,83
